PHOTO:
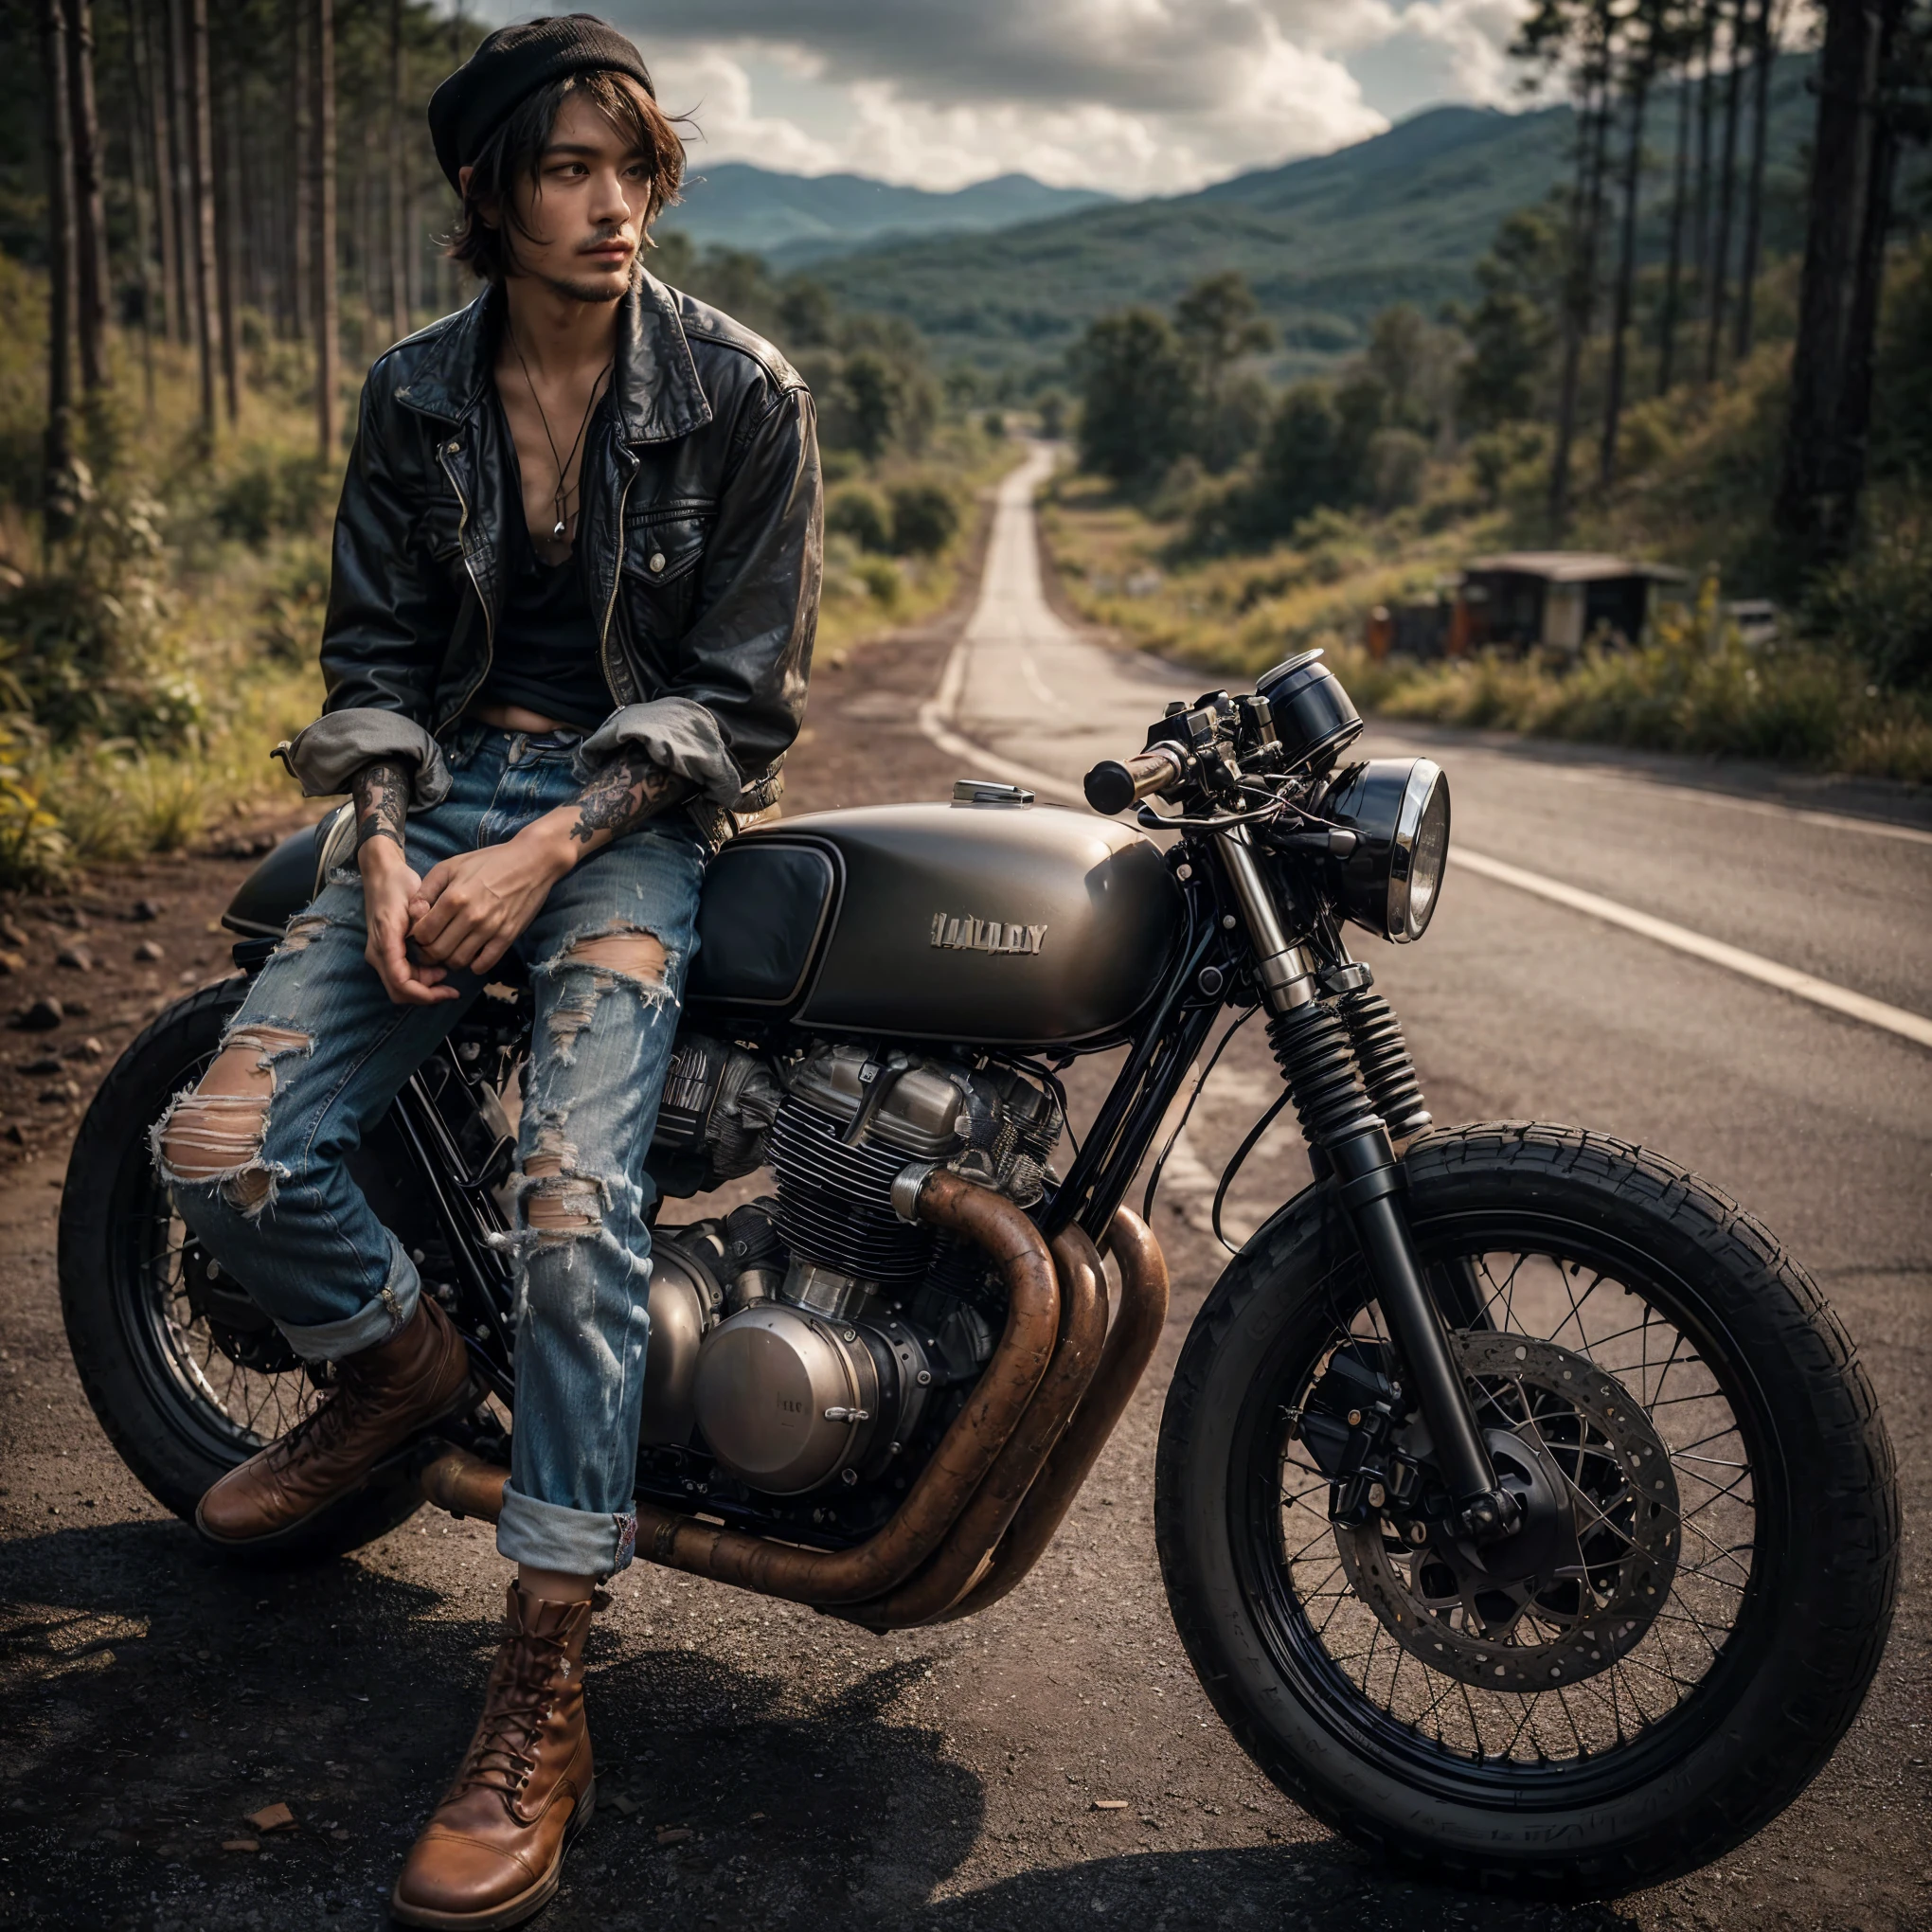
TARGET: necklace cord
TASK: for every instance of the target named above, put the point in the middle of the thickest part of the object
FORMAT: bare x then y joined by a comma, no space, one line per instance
563,463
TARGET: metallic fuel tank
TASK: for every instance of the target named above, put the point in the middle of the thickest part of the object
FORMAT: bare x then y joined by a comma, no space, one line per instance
986,925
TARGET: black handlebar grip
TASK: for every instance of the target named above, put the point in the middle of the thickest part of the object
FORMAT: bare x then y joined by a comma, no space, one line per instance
1114,785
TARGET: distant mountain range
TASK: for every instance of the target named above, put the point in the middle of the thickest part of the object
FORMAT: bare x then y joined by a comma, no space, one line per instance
1326,243
793,219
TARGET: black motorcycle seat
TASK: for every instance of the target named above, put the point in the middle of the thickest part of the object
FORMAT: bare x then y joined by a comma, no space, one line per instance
764,909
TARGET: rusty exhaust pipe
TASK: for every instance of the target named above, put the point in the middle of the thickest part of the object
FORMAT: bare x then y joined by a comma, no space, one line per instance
1131,1342
463,1484
1056,1455
971,1539
965,1456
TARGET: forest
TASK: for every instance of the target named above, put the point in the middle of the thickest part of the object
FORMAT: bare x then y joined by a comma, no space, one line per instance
213,215
1704,344
1639,369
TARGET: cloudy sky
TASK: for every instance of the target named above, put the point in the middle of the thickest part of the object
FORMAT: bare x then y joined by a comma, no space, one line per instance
1136,97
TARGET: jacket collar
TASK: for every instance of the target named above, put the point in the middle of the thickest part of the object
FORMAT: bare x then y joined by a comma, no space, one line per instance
658,395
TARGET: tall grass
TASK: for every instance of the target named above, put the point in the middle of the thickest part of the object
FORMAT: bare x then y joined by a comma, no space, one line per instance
1850,691
1679,691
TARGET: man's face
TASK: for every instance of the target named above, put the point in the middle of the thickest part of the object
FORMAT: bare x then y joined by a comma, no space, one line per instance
580,223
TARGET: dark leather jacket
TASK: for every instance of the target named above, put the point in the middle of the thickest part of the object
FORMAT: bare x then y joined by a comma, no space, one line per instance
700,533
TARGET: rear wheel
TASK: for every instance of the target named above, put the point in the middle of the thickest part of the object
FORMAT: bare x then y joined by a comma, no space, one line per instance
186,1375
1696,1606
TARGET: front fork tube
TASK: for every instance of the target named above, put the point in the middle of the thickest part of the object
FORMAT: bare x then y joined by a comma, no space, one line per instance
1369,1180
1315,1053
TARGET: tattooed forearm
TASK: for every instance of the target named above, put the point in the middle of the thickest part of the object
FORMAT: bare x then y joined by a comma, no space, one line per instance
623,794
381,802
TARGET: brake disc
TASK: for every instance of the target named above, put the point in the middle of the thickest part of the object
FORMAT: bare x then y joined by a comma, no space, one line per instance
1601,1531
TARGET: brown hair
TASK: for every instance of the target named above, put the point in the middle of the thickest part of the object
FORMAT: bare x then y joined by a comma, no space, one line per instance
514,153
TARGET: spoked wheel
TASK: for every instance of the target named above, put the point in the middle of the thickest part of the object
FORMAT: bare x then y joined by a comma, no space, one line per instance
188,1376
201,1341
1669,1648
1601,1413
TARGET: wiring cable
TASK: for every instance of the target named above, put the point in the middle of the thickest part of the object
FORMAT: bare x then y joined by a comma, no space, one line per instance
1180,1125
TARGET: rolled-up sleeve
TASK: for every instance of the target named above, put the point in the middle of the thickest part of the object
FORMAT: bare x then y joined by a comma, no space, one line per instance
737,697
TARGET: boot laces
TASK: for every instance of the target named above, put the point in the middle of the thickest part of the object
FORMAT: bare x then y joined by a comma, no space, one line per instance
323,1428
522,1691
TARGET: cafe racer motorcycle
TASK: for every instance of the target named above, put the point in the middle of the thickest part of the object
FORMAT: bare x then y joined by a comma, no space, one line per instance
1522,1508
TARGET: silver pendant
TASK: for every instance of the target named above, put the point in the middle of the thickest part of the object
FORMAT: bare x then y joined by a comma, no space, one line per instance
557,534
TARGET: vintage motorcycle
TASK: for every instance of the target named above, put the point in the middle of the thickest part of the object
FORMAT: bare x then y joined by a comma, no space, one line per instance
1522,1506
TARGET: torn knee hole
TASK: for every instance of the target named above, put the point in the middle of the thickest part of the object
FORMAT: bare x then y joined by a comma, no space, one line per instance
216,1133
302,932
635,954
555,1202
218,1137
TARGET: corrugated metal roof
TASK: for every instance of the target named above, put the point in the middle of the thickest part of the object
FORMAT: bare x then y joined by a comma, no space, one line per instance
1574,566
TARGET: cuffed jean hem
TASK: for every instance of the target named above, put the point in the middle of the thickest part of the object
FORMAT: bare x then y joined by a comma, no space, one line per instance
386,1312
581,1543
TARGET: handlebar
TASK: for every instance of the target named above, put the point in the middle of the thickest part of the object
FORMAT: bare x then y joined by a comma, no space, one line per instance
1116,783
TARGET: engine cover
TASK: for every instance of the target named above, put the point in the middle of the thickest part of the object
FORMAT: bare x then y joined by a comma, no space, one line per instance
788,1400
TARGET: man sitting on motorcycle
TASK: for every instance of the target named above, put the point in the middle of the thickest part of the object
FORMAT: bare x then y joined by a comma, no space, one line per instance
574,580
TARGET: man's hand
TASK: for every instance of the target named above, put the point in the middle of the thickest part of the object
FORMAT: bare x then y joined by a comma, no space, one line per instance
471,909
389,886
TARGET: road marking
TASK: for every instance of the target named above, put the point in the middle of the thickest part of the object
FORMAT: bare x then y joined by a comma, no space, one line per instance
1388,730
1838,999
936,722
1041,689
1822,993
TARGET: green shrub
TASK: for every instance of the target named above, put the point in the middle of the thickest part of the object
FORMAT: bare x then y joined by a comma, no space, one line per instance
925,518
880,575
1396,463
1879,604
855,512
292,604
33,849
84,639
1795,704
273,492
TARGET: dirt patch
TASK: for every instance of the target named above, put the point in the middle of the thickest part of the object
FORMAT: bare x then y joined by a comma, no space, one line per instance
86,969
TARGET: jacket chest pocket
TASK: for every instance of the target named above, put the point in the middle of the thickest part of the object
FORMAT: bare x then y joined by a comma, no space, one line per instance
440,533
660,571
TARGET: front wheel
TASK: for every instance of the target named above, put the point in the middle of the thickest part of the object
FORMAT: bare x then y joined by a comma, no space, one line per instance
1695,1607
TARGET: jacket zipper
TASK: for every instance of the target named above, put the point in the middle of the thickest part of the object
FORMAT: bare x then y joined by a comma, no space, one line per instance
468,571
604,635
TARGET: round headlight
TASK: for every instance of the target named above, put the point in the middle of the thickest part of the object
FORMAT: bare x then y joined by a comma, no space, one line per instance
1397,809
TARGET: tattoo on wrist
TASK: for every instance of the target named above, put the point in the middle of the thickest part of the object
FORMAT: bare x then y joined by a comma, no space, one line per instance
381,802
623,794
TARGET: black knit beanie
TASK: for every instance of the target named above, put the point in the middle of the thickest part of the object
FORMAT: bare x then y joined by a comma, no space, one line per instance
512,64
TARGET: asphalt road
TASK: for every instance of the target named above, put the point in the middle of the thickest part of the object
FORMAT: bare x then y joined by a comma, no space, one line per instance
150,1699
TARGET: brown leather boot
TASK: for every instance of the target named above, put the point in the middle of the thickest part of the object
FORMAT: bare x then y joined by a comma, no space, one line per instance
494,1853
383,1397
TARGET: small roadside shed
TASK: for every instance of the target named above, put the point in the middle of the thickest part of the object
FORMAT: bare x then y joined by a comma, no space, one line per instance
1559,599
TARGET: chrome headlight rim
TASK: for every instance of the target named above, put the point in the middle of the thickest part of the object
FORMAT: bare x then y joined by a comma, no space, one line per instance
1426,784
1390,883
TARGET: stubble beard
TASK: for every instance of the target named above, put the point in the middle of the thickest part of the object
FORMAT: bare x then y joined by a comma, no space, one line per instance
593,291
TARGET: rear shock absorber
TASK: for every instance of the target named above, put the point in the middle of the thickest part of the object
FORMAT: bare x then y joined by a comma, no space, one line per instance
1389,1071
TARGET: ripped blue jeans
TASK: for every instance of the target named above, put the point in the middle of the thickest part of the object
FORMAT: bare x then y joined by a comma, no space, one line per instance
288,1220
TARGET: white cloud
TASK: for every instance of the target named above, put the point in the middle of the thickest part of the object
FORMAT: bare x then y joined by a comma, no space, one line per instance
708,84
1133,95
